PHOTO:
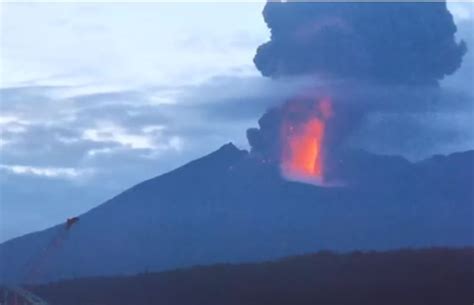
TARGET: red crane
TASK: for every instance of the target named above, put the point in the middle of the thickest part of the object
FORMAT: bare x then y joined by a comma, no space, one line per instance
21,296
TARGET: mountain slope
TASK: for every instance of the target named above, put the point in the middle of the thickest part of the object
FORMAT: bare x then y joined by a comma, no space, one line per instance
231,207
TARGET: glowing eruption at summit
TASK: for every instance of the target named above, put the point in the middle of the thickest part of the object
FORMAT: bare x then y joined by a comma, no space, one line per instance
302,152
302,135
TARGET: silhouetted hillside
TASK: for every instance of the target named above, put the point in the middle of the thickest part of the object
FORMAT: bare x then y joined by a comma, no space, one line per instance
418,277
232,207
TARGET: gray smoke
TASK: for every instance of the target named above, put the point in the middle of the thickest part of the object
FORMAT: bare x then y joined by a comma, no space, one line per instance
383,42
375,57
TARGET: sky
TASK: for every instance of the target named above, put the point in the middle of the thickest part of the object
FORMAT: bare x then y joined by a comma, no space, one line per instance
96,97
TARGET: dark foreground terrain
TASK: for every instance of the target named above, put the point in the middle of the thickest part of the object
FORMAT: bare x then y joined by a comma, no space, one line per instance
429,276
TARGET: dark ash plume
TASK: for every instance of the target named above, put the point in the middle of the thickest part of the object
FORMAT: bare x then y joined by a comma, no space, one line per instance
362,46
409,43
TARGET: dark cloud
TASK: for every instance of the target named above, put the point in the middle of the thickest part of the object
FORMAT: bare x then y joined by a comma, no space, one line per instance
380,63
224,99
383,42
414,135
46,128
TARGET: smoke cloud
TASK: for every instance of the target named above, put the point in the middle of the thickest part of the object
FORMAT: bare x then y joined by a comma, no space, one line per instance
367,57
382,42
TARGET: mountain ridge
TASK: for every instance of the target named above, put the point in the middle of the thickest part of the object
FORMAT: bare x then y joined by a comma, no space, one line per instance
229,206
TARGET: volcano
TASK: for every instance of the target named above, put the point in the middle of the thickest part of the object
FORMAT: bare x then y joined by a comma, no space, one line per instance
230,206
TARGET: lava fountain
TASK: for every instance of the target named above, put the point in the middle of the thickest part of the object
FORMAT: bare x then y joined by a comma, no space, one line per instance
303,130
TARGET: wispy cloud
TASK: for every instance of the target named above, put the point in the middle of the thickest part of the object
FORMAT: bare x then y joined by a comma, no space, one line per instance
109,132
49,172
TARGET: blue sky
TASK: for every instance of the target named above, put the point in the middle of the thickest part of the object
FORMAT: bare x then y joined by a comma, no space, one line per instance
96,97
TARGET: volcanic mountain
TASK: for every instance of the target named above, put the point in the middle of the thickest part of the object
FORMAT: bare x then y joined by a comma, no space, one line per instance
230,206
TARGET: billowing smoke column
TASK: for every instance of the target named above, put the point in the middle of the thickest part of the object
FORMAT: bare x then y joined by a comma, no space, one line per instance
384,42
390,44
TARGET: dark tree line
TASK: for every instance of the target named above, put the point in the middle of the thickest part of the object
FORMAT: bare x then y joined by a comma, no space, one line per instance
429,276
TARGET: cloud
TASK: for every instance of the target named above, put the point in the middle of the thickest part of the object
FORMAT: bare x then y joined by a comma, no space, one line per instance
381,66
383,42
127,132
75,151
49,172
226,98
109,132
416,135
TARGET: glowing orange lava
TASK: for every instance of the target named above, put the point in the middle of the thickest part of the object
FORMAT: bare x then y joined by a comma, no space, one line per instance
304,155
303,141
